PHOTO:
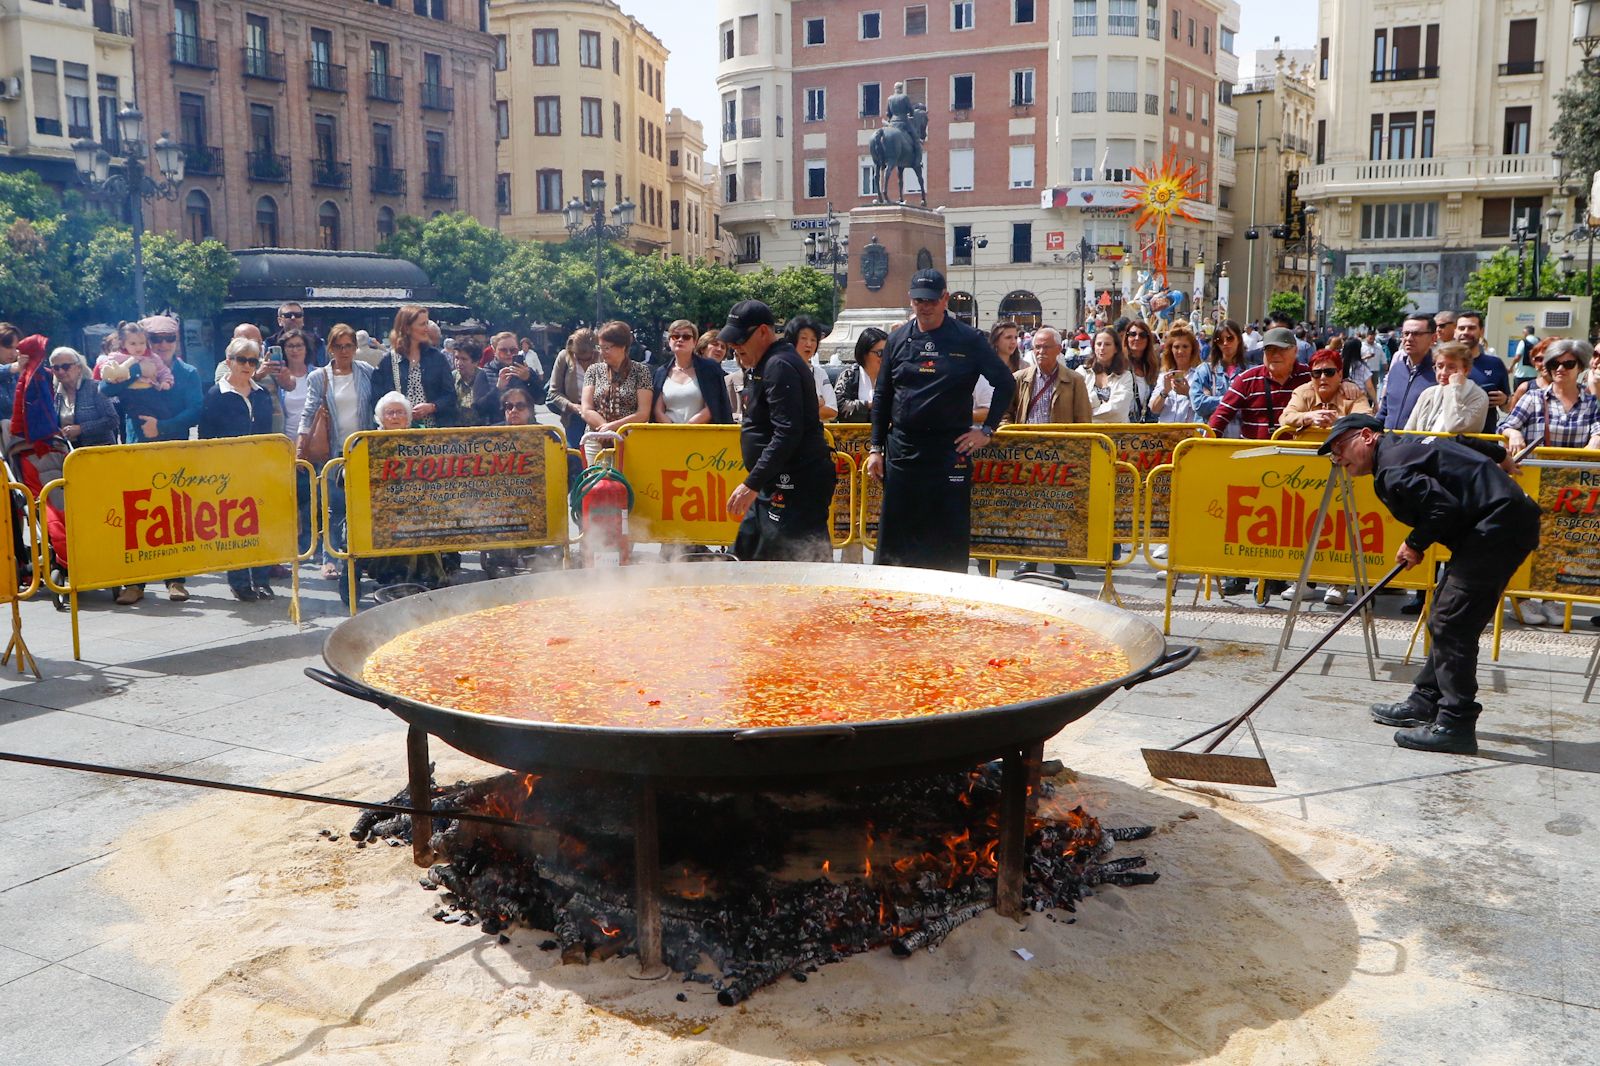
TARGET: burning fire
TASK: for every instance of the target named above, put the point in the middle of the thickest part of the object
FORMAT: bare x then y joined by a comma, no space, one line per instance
607,931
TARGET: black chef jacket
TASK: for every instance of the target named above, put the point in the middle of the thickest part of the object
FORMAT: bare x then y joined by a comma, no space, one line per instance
782,429
924,387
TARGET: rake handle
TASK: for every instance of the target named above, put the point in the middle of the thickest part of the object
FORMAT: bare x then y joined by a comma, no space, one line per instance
1355,608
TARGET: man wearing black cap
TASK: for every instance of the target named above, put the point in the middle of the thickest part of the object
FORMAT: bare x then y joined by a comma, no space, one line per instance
784,498
1456,493
922,431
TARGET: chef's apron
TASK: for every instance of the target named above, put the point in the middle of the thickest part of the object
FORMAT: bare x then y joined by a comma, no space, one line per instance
927,503
789,522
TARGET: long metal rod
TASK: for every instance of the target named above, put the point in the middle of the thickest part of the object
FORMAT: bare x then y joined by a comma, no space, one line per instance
257,790
1305,570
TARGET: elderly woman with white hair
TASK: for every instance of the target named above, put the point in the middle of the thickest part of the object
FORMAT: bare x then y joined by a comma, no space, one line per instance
87,417
393,411
238,406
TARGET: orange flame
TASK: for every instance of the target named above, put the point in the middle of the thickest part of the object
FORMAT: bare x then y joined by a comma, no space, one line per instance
605,930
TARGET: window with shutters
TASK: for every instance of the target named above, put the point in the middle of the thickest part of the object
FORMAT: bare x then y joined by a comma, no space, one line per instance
589,49
502,119
725,40
550,198
1518,131
547,116
546,48
749,34
1501,214
44,79
592,116
1022,166
961,169
816,179
916,20
1522,36
1322,60
868,172
816,105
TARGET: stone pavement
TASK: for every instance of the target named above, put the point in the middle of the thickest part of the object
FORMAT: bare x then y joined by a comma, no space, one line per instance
1498,887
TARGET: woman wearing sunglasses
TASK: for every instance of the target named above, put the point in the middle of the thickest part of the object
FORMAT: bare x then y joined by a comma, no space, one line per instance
1326,398
238,406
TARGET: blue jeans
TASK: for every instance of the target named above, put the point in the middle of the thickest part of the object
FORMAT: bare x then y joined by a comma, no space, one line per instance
251,577
338,527
302,492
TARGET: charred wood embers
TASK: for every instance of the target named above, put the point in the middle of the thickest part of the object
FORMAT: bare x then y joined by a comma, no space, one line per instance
756,887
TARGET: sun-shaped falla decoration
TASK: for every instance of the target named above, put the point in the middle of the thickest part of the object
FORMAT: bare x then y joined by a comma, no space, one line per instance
1160,194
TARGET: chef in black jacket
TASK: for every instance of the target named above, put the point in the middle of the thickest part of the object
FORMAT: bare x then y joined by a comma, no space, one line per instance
784,498
1456,493
922,431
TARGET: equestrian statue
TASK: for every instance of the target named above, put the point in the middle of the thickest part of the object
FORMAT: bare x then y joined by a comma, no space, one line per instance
898,144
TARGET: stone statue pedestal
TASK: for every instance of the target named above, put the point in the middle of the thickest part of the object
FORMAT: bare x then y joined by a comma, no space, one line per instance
888,244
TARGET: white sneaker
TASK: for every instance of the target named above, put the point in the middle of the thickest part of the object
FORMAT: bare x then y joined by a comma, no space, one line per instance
1288,594
1555,612
1336,596
1158,551
1532,613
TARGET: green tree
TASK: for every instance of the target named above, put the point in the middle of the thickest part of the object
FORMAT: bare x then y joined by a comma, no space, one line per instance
181,276
522,290
456,250
1289,302
1370,299
1498,276
1576,129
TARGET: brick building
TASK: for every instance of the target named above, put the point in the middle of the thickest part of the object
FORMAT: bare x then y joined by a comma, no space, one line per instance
316,123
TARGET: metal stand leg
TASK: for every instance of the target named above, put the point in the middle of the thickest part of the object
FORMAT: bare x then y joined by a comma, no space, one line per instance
1358,566
1019,771
421,795
647,881
1305,572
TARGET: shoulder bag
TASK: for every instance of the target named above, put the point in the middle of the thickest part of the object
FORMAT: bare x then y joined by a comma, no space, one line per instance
315,445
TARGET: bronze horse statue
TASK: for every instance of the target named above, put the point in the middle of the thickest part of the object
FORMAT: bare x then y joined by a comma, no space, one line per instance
894,148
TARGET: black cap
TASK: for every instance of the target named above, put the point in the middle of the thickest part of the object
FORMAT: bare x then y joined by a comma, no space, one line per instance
927,285
1345,425
743,320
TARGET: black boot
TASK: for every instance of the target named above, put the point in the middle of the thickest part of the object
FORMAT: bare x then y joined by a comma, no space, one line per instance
1404,714
1451,733
1413,604
1234,586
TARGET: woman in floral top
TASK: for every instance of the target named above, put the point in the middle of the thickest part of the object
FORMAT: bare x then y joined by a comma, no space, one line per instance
616,390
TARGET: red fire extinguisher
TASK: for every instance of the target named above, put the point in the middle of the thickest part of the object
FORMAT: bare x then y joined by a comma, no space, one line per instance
600,500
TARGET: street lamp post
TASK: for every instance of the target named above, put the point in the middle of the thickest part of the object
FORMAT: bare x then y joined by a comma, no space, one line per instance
1582,233
830,250
1083,255
1313,264
1586,28
582,224
134,182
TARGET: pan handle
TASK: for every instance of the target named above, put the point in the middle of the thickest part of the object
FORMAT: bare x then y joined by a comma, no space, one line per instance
816,732
1043,579
347,688
1169,663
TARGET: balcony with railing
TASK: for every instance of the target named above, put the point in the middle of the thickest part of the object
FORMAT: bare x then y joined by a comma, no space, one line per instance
1083,102
438,186
188,51
269,167
750,127
109,18
329,77
1295,143
383,87
1126,102
77,131
386,181
1152,104
202,160
730,131
1152,28
1122,25
1405,74
1523,66
1085,25
330,174
1420,176
436,97
263,65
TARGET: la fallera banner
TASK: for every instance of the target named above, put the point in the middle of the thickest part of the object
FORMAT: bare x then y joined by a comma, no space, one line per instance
416,490
1254,516
149,512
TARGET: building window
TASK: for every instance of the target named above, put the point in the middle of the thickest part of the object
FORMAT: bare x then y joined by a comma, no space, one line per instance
501,53
547,116
80,113
1225,39
589,49
550,198
1191,33
816,105
587,179
1502,213
961,169
1022,242
961,92
197,213
749,35
1172,96
502,120
1085,18
1177,23
871,102
916,20
616,122
1152,20
46,97
644,135
546,48
750,248
1021,11
816,180
502,193
1205,110
1322,141
1123,19
1399,222
1426,149
1021,88
266,223
725,36
1518,131
960,245
676,216
871,25
1205,39
1225,92
592,117
385,223
1022,166
869,178
815,31
730,188
961,14
328,226
1188,101
1322,60
1521,44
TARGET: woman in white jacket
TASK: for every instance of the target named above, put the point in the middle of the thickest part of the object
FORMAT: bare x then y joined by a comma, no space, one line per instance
1456,404
1108,378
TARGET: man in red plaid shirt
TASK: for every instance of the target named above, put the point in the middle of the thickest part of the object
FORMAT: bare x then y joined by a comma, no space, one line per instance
1258,396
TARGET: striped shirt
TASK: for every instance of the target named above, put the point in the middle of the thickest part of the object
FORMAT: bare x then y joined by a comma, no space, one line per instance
1542,418
1257,401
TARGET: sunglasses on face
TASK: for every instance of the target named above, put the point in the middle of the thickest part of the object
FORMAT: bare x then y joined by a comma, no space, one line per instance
62,368
1408,334
515,407
683,336
1563,364
162,338
247,360
291,314
1325,372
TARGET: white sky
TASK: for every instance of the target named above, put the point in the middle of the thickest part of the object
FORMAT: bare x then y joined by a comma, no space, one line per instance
689,30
